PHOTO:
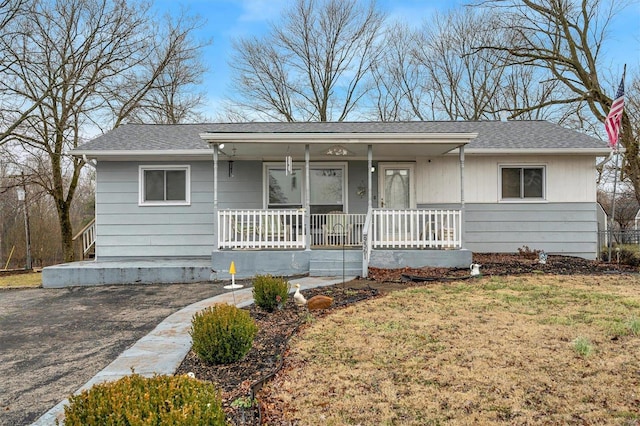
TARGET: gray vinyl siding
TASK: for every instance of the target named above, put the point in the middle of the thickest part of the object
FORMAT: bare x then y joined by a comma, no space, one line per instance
125,229
557,228
242,190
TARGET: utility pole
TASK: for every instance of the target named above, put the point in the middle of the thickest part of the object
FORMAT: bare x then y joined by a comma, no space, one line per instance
22,196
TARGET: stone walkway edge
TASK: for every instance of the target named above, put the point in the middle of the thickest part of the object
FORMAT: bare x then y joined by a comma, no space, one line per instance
163,349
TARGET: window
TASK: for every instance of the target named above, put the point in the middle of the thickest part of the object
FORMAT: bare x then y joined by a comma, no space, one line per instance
522,183
284,190
164,185
326,187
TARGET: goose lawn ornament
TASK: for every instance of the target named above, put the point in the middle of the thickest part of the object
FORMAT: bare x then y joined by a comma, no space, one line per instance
475,269
542,258
298,297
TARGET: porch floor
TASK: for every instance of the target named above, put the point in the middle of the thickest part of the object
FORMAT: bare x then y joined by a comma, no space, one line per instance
248,263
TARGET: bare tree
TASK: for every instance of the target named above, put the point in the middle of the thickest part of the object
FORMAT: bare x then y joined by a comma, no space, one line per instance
85,65
311,66
175,96
567,38
399,90
12,114
436,72
465,86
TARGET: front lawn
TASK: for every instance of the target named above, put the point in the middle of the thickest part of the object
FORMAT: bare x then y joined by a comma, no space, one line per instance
21,279
539,349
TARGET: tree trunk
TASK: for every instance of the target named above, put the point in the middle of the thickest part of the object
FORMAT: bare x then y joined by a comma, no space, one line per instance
66,232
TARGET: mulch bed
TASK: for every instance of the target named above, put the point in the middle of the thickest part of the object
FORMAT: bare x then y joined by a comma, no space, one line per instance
243,378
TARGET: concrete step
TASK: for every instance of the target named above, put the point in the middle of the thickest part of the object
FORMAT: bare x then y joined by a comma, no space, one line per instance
330,263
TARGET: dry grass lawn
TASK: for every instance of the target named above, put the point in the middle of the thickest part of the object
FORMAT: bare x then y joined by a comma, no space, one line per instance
497,350
31,279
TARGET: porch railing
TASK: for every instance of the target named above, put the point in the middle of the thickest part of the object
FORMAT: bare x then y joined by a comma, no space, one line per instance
337,229
252,229
385,228
416,228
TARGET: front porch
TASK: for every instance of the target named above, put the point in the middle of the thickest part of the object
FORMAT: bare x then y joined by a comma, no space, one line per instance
290,241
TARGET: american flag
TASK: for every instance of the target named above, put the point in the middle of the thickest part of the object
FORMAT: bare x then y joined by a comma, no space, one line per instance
612,122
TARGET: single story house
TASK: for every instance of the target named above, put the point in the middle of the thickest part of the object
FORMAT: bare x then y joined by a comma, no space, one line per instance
331,198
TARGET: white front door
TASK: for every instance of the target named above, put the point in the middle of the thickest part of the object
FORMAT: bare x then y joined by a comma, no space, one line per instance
396,185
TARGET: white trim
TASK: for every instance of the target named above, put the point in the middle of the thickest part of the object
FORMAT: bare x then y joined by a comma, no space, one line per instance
542,166
344,138
534,151
187,194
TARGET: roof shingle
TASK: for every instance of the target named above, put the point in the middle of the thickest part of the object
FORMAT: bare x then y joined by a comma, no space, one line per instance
491,134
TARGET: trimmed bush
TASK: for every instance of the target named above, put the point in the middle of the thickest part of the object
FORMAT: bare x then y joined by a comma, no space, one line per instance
222,334
136,400
270,292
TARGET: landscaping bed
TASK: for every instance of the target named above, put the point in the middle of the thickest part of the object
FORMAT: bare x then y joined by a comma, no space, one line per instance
239,380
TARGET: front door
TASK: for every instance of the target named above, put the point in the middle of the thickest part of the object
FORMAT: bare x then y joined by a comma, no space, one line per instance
396,188
396,185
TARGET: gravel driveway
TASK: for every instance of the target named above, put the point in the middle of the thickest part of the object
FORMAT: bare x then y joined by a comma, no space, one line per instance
52,341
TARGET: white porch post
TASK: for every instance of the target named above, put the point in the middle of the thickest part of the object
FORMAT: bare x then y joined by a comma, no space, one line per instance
369,176
462,208
216,244
307,198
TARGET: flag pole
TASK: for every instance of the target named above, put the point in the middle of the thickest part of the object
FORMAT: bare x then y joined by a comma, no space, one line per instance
616,147
613,201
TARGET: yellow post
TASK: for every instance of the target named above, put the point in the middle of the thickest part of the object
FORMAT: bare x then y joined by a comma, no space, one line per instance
232,271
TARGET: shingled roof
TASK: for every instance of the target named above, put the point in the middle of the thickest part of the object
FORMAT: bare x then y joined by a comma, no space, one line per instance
498,135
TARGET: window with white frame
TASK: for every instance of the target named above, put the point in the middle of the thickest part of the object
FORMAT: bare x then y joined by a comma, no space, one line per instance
327,184
164,185
522,182
284,190
327,188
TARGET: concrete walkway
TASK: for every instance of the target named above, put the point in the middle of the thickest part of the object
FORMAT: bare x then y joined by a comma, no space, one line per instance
163,350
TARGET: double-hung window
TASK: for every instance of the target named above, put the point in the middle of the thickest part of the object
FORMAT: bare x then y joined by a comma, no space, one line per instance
164,185
522,183
327,188
327,182
284,189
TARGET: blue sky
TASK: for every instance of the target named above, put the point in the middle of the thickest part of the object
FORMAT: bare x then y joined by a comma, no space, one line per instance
230,19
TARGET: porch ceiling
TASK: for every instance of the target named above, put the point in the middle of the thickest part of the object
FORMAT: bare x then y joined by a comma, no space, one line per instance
387,147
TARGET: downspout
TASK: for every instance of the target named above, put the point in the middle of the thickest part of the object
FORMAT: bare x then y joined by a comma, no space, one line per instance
369,176
216,244
307,199
462,204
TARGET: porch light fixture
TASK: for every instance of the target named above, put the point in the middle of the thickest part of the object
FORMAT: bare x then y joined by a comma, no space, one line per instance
338,151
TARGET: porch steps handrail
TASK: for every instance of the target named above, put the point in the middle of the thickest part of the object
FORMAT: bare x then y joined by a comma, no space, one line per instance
88,234
366,243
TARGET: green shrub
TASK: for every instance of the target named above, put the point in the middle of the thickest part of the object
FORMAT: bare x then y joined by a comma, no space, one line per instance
270,292
136,400
222,334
